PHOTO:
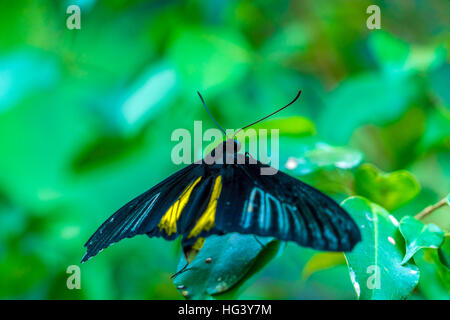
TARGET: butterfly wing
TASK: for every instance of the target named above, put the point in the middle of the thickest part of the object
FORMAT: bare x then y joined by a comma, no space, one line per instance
283,207
156,212
202,199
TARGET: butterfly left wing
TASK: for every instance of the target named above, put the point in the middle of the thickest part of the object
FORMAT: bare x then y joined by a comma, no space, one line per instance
155,212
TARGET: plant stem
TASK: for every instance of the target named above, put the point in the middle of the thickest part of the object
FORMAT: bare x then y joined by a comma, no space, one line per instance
431,208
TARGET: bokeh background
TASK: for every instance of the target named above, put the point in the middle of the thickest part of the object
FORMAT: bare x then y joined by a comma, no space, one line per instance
86,118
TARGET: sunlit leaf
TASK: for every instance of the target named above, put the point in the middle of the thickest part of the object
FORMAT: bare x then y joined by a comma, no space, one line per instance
294,126
375,264
390,190
322,261
419,235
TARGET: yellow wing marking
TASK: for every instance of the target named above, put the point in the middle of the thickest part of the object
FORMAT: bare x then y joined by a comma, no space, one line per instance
198,244
192,253
169,220
206,221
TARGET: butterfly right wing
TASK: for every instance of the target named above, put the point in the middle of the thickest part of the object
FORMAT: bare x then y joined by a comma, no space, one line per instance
283,207
154,212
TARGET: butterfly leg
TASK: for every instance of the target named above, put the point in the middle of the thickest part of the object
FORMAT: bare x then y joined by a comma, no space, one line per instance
187,251
190,252
180,271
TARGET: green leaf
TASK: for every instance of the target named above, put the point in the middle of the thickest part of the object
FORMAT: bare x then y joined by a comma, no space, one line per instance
291,129
290,41
390,190
153,90
363,99
444,251
322,261
19,272
439,77
419,235
388,50
208,59
438,130
224,264
434,275
41,73
324,156
324,166
294,126
396,54
375,264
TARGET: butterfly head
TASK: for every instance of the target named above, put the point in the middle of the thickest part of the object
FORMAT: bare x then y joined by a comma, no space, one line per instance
232,146
229,146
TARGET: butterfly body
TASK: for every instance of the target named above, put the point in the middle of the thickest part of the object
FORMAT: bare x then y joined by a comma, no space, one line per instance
226,192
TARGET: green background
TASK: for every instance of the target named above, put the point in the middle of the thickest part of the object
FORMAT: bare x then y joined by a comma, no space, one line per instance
86,118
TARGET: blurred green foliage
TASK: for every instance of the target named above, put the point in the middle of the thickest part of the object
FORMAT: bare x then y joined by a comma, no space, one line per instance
86,118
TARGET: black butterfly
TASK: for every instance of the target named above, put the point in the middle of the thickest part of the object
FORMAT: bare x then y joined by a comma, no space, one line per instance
225,192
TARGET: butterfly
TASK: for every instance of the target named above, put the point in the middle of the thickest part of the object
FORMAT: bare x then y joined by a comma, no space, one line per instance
225,192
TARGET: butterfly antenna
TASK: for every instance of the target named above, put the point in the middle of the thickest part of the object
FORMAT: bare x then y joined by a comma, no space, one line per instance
295,99
207,110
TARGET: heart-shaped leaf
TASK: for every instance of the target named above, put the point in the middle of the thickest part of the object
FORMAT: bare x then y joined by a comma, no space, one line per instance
375,264
419,235
223,265
390,190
